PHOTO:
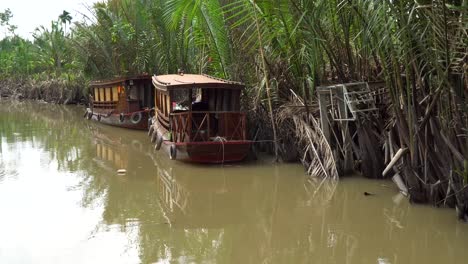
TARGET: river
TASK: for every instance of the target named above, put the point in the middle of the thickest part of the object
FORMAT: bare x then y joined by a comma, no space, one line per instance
62,201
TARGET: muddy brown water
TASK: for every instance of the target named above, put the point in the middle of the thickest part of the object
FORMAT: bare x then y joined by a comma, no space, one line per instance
62,201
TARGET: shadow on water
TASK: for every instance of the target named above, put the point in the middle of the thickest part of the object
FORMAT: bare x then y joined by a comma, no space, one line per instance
257,212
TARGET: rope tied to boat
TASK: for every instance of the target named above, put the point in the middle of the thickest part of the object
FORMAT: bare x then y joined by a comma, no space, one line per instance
222,140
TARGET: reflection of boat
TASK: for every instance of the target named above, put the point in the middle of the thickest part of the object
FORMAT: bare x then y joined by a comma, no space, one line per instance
116,150
198,119
107,153
206,201
124,102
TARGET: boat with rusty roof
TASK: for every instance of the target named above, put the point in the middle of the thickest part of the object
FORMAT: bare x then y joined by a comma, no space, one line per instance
198,118
125,102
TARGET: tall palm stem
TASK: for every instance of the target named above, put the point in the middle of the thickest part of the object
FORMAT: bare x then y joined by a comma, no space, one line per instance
267,82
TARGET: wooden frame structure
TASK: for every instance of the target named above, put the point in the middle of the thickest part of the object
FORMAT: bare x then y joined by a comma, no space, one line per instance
341,105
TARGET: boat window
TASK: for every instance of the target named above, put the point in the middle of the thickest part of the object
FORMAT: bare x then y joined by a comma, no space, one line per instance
96,95
158,100
160,103
168,105
180,100
223,99
164,104
156,96
133,93
108,93
199,100
101,95
197,95
115,93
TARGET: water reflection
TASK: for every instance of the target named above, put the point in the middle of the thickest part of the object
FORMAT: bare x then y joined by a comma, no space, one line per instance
59,182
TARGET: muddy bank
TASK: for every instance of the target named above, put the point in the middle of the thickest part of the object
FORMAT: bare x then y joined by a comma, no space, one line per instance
57,91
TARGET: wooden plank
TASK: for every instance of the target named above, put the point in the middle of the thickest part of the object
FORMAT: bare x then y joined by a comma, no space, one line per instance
236,100
244,127
189,129
219,100
346,135
209,127
324,122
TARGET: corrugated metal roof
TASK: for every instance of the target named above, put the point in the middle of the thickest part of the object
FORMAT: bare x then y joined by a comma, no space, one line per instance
186,81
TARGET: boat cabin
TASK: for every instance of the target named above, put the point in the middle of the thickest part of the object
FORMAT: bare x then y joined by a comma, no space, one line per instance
197,108
124,102
198,118
124,95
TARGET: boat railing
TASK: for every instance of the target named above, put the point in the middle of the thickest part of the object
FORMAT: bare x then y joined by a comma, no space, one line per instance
105,104
204,126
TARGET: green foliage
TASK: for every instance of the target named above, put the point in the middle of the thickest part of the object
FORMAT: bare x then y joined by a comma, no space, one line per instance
15,57
204,34
50,54
131,37
5,21
283,44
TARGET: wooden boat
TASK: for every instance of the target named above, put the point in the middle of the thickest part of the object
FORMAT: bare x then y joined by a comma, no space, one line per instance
124,102
197,118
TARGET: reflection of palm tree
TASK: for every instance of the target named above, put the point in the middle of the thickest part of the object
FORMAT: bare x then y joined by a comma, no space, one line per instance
44,126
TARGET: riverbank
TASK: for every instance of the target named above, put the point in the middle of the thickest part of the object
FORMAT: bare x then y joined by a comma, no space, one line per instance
59,91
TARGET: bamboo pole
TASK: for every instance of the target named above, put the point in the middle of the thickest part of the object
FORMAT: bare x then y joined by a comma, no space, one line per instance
267,82
324,116
400,184
394,160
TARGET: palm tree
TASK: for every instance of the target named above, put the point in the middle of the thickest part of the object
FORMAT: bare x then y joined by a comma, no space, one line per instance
5,22
51,48
65,18
204,35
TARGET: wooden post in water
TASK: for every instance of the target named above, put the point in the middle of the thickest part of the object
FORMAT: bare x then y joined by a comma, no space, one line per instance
346,135
324,123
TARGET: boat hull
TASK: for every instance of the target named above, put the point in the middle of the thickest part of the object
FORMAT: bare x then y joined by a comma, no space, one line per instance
210,152
131,121
214,152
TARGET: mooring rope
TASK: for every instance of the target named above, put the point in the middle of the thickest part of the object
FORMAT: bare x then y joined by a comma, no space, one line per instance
222,140
262,141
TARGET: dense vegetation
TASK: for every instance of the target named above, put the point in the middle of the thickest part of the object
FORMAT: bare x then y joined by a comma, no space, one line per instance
277,45
417,47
